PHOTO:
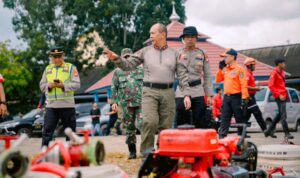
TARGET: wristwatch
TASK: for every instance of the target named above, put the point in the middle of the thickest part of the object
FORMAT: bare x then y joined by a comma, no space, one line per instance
3,102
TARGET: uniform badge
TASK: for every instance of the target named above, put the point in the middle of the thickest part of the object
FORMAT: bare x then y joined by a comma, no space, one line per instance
49,71
206,57
242,75
199,57
66,69
75,73
233,74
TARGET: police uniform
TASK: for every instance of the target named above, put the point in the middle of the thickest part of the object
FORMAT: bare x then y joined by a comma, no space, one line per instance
60,101
235,90
158,99
200,84
127,87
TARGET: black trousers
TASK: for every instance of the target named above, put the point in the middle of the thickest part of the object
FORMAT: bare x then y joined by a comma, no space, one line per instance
254,109
281,116
197,114
111,124
231,107
52,116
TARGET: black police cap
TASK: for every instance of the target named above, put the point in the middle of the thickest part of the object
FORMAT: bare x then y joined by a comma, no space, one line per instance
191,30
56,51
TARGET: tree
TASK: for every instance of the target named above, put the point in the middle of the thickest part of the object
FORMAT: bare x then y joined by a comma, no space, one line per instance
16,74
119,23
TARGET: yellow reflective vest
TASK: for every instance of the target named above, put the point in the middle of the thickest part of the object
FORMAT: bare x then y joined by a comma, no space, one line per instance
62,73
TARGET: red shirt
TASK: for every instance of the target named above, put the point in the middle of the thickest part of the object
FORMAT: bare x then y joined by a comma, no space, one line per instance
277,83
250,81
217,104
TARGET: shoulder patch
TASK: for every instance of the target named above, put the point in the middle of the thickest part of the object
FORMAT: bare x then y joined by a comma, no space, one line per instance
75,72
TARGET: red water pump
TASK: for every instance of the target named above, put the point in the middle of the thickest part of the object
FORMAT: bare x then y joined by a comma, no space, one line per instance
198,153
60,156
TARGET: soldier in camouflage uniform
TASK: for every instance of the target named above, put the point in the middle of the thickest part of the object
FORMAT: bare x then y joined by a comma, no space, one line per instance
127,93
199,80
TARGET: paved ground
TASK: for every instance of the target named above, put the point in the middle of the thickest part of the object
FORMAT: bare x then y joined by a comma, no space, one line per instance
117,143
117,149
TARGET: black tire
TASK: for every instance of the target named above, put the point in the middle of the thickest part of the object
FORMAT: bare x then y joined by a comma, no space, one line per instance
25,130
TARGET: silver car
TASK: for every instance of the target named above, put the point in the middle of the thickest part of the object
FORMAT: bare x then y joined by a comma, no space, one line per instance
85,122
268,107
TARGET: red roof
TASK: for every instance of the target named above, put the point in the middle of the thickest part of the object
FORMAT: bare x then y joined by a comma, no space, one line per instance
104,82
212,50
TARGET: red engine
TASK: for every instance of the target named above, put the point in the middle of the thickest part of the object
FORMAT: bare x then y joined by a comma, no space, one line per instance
195,153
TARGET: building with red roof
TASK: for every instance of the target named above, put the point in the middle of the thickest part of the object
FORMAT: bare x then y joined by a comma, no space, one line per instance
212,50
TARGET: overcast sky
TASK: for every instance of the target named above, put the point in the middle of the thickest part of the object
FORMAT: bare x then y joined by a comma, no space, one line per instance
240,24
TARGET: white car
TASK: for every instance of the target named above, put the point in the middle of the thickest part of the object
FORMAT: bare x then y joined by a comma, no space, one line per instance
85,122
269,109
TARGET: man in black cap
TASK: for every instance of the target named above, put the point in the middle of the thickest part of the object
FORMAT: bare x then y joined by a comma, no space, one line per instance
59,82
278,89
200,81
235,90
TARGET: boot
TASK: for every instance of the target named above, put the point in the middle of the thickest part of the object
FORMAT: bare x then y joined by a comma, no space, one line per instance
289,136
132,151
268,133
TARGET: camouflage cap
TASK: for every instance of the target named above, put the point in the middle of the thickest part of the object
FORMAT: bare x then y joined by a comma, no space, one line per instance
125,52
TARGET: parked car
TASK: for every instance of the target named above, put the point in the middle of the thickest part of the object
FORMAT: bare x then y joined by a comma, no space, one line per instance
22,125
85,122
82,110
269,109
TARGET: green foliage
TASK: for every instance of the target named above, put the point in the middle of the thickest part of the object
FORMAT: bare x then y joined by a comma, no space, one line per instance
16,74
44,23
121,23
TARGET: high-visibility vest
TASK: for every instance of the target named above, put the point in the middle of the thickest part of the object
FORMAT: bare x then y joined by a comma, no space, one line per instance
62,73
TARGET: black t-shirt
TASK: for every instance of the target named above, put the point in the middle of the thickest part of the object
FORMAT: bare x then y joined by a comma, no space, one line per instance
113,116
95,112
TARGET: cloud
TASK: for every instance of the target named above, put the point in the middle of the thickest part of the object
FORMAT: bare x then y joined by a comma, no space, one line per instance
242,12
261,28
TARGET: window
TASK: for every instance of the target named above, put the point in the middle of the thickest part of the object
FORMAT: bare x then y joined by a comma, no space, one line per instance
260,95
294,96
272,99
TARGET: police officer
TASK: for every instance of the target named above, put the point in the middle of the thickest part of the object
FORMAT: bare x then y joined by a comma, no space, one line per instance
200,81
160,64
235,90
127,93
59,82
278,89
252,89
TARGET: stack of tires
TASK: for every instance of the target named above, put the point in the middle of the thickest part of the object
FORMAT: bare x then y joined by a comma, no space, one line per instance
280,155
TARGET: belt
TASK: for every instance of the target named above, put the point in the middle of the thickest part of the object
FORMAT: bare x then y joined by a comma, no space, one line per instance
195,83
158,85
235,94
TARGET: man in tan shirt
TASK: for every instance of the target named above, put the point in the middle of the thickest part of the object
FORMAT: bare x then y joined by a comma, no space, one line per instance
160,64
